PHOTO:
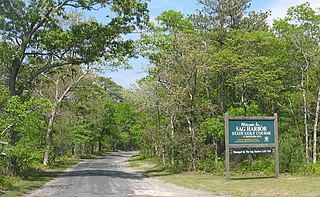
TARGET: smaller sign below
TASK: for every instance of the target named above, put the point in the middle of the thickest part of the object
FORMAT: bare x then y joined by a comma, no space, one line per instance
258,151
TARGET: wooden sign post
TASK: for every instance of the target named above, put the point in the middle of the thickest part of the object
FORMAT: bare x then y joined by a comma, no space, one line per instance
253,133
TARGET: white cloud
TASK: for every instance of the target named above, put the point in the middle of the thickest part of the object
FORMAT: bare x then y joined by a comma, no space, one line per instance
279,8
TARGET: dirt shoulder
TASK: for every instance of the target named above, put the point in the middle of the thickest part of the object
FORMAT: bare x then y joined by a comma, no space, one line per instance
151,186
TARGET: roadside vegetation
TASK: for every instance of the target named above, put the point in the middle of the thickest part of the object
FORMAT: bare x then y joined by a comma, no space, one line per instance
224,58
251,183
227,59
54,105
35,178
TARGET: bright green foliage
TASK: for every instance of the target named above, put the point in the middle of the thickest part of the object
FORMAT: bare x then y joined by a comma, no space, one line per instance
180,57
214,126
247,69
228,60
172,20
40,36
220,59
300,31
125,117
94,118
26,117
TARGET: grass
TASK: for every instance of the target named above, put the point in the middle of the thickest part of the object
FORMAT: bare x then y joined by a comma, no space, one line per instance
148,166
247,185
286,185
37,178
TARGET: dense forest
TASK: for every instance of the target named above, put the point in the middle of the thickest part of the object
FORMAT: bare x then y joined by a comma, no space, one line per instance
223,58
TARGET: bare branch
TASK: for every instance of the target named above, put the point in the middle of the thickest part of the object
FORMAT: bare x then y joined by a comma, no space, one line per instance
11,125
48,67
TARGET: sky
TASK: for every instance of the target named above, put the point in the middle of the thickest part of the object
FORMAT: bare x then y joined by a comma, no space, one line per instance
278,8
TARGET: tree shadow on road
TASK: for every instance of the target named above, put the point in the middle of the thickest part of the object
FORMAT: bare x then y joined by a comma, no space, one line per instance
122,154
103,173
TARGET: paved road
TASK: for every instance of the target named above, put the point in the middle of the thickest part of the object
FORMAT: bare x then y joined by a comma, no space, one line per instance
109,176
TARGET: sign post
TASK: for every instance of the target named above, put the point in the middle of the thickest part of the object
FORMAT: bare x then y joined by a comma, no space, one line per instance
251,132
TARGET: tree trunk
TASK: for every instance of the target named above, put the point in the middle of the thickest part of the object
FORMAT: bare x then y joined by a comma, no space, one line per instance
58,100
73,150
48,137
305,117
13,76
191,123
215,148
172,120
157,152
223,94
245,108
192,120
100,145
193,143
251,160
314,155
12,135
92,149
163,156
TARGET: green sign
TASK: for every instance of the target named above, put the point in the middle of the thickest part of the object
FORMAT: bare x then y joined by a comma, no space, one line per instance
251,135
251,132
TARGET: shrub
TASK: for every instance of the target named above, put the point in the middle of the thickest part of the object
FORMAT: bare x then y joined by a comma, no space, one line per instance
291,153
6,182
211,166
22,160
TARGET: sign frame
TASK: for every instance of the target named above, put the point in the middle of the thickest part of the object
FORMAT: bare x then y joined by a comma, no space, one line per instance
273,145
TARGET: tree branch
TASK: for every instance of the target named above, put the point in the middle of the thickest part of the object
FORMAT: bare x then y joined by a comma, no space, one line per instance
48,67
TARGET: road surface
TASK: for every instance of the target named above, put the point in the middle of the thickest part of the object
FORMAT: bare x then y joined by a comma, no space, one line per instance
110,176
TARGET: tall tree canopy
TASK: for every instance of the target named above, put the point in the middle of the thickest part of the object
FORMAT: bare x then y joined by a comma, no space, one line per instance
37,36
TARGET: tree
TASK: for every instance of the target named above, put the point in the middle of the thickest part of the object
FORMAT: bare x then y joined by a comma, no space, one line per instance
38,37
300,29
251,60
27,119
223,14
220,21
35,32
60,92
179,57
152,107
86,119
